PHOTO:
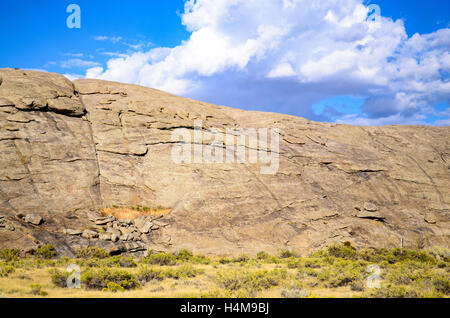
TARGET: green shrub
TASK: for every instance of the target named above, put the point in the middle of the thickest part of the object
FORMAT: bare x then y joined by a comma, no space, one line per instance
294,293
120,261
9,254
441,252
224,260
6,269
287,254
37,290
442,284
161,259
401,255
99,278
241,259
393,292
113,287
406,275
345,251
184,255
45,252
342,273
249,280
91,262
358,286
267,258
145,275
313,263
59,278
185,271
91,252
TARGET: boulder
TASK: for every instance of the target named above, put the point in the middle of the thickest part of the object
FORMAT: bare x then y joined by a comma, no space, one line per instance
33,219
124,237
89,234
370,207
114,237
125,230
145,226
160,223
113,231
72,232
105,237
370,215
104,220
430,218
125,221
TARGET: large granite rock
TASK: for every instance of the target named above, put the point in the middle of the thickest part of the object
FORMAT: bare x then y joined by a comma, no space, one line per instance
68,149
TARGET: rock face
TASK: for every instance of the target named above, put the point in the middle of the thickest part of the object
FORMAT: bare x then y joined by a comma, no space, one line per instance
68,149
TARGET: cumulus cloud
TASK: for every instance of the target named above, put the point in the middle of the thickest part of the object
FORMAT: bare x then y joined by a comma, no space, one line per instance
113,39
286,55
75,62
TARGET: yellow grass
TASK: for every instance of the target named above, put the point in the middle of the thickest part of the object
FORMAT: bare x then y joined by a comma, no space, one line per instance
131,214
17,285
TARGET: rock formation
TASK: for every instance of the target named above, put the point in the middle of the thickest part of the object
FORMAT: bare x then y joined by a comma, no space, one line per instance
68,149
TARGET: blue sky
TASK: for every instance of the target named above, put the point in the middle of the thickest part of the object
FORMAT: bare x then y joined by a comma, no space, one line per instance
250,54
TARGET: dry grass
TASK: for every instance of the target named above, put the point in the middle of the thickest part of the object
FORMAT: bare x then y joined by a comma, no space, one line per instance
133,213
336,272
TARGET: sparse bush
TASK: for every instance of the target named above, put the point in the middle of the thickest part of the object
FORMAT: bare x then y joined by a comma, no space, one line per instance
267,258
184,271
294,263
145,275
345,251
6,269
9,254
250,280
442,284
295,290
287,254
224,260
358,286
401,255
45,252
59,278
91,252
99,279
262,255
241,259
341,273
120,261
37,290
295,293
161,259
113,287
184,255
393,292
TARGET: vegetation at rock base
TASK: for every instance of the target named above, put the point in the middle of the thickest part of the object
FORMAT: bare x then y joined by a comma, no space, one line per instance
337,271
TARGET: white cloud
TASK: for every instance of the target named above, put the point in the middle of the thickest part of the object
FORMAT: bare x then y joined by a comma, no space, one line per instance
76,62
289,54
113,39
73,76
74,54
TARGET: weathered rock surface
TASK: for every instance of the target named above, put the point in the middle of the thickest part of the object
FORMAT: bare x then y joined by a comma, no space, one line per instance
67,149
33,219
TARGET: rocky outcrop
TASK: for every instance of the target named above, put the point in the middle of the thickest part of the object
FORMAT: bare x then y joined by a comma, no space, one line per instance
68,149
